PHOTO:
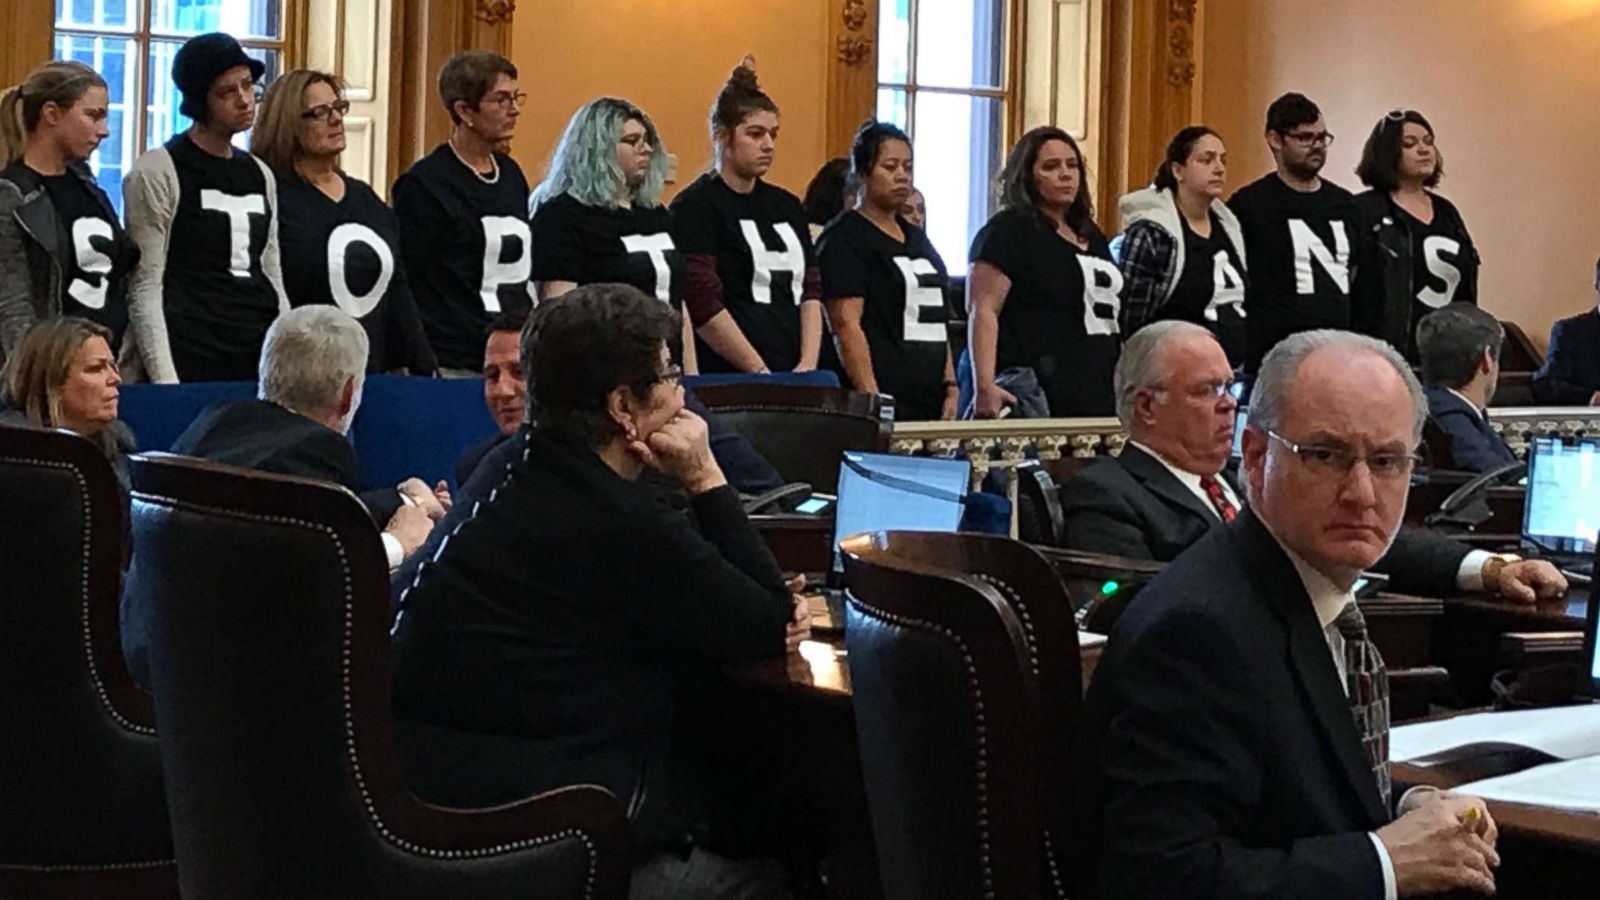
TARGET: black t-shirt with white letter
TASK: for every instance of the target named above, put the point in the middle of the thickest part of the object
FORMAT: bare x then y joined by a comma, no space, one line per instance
347,253
464,245
217,300
901,285
1210,289
1060,317
87,256
1443,264
1299,247
590,244
762,246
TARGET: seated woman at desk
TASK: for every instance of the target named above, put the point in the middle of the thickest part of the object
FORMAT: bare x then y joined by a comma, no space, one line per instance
64,376
547,642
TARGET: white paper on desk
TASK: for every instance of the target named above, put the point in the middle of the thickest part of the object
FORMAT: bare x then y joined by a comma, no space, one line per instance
1565,732
1574,784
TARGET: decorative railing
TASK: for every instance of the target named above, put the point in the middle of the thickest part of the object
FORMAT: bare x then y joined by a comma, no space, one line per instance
1519,425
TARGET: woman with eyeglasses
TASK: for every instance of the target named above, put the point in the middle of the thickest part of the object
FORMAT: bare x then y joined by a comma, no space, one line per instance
463,213
63,251
340,241
754,288
1181,251
598,215
1043,293
1414,254
205,216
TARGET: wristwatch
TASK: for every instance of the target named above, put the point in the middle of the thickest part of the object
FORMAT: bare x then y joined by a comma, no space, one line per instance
1492,567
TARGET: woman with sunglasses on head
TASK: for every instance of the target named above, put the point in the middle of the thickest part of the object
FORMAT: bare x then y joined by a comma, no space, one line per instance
1043,292
598,216
63,251
883,283
1181,251
754,290
463,213
340,241
1413,252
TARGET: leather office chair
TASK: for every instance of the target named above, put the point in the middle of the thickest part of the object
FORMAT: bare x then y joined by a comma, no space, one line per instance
269,611
945,708
1519,353
1437,446
802,430
1039,516
82,810
1029,585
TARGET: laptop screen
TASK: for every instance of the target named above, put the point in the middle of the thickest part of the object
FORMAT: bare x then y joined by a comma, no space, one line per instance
1240,420
1563,508
1590,687
881,491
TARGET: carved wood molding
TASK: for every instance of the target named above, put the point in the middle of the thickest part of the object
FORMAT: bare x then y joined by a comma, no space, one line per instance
852,69
1180,42
495,12
853,47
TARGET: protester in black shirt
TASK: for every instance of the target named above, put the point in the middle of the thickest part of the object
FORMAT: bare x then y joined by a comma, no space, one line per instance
1413,253
1181,252
205,216
598,217
1298,233
62,249
1043,292
546,642
827,194
464,214
753,283
884,286
341,243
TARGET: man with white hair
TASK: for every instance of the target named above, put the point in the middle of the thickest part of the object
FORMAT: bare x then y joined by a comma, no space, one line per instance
312,368
1168,489
1236,730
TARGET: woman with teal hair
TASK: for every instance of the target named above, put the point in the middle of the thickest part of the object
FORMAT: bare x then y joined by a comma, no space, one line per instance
598,216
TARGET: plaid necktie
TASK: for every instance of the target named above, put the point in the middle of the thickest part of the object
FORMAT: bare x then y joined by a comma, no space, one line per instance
1367,683
1213,489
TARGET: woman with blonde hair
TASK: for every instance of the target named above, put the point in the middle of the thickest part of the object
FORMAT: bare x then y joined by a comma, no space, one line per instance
62,249
340,242
63,375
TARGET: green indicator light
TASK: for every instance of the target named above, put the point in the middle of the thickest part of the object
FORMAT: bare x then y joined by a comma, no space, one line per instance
1109,588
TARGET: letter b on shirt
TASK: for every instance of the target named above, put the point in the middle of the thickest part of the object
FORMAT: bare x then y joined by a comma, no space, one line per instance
1102,294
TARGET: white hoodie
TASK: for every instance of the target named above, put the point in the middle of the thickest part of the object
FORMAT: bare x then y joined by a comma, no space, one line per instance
1157,206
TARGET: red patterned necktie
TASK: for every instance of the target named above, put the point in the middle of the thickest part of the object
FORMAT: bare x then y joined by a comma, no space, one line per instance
1213,489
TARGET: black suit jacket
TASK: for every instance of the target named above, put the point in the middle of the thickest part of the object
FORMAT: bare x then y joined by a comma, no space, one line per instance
1219,755
262,435
1571,371
545,643
1132,506
1474,446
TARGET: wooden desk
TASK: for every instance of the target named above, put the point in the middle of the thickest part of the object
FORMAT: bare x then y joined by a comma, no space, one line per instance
1545,853
1467,638
798,543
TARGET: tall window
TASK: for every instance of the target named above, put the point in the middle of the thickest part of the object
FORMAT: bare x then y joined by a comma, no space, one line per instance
942,76
131,44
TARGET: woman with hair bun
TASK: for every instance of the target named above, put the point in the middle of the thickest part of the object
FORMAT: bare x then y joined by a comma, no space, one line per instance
1181,250
754,291
63,251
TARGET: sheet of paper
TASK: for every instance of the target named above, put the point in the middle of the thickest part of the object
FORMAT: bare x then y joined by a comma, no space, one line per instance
1574,784
1565,732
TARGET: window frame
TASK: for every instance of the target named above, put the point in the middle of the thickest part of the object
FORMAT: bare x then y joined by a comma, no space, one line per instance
1008,94
289,45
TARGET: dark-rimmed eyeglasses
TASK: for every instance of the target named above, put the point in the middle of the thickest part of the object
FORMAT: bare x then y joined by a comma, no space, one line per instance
507,99
1309,138
321,112
1338,462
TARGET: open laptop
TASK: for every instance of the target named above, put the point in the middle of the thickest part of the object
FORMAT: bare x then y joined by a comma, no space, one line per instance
1562,514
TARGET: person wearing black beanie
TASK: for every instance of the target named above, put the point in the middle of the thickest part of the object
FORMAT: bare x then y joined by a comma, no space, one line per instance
204,214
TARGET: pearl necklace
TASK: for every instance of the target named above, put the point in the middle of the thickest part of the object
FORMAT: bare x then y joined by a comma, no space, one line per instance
491,178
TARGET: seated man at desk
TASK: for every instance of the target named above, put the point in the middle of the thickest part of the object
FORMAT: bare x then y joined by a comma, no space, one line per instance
546,642
1167,489
1460,349
1570,375
1235,735
505,394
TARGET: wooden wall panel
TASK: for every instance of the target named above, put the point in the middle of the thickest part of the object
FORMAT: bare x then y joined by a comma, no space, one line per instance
852,70
27,26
